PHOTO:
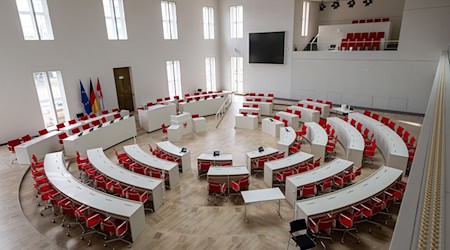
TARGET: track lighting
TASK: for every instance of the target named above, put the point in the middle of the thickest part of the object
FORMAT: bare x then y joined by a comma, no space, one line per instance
351,3
335,5
322,6
368,2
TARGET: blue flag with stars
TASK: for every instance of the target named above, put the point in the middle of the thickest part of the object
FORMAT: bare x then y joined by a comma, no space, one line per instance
85,100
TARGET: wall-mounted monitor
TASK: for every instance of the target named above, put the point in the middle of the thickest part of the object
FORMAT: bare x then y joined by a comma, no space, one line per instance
267,47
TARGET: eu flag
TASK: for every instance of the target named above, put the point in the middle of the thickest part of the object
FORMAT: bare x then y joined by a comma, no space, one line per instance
85,100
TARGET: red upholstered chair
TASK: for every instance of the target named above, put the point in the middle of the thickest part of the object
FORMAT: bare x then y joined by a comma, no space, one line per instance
115,228
62,137
344,44
392,125
105,112
369,210
302,131
339,181
255,113
159,99
298,113
255,106
411,144
138,196
86,126
115,110
36,162
385,120
75,131
258,165
308,190
203,167
260,94
71,122
354,21
309,99
289,110
376,20
239,185
216,189
323,122
319,101
326,185
406,136
376,116
244,113
351,35
385,19
276,117
167,98
84,118
43,132
245,105
329,104
60,126
117,116
103,120
177,97
400,131
347,220
257,99
26,138
252,94
353,122
12,146
310,106
367,113
359,126
95,123
300,104
186,95
280,177
369,153
285,122
93,115
195,116
270,95
139,169
323,224
100,182
81,160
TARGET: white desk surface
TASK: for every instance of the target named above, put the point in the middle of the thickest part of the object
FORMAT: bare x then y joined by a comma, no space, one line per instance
304,110
287,136
316,104
342,111
104,125
103,164
287,114
262,195
139,155
171,148
158,106
39,139
267,151
354,138
273,120
316,134
392,142
291,160
369,187
211,157
321,173
227,171
70,186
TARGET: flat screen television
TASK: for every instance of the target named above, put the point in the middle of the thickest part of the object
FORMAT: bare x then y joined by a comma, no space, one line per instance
267,47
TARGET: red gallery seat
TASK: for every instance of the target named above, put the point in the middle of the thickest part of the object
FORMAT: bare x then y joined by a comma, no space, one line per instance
115,110
60,126
26,138
116,228
71,122
75,131
62,137
93,115
42,132
86,126
105,112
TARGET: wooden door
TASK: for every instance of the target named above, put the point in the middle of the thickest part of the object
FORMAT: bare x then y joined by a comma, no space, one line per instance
123,88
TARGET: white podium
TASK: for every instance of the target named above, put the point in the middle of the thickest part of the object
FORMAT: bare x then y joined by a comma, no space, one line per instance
199,124
246,122
271,126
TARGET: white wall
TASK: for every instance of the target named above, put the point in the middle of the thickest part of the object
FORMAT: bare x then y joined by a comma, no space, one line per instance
81,50
395,80
378,9
259,16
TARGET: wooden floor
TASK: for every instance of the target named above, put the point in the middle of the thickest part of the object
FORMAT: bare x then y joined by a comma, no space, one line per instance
186,220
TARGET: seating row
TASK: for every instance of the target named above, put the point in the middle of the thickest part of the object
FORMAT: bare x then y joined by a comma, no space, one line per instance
375,20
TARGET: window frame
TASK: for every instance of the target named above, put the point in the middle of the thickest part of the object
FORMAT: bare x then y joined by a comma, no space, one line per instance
237,74
305,18
210,70
41,27
237,22
169,20
173,70
208,23
115,16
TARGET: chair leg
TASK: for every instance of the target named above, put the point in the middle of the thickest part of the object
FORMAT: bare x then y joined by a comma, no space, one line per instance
117,239
348,231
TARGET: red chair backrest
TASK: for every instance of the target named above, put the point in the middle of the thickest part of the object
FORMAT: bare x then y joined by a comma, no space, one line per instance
104,112
325,222
298,112
86,126
92,115
195,116
26,138
43,131
95,123
309,189
214,187
300,104
159,99
309,99
84,118
60,126
117,116
133,195
115,110
255,105
12,144
276,117
252,94
289,110
75,131
62,136
254,113
73,121
166,98
244,182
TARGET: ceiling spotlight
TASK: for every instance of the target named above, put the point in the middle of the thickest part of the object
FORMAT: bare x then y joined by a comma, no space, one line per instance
351,3
322,6
335,5
368,2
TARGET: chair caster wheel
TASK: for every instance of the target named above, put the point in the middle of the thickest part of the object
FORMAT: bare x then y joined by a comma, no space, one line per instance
105,238
62,224
385,223
68,226
89,243
67,234
342,241
370,230
53,221
105,245
41,214
81,238
359,241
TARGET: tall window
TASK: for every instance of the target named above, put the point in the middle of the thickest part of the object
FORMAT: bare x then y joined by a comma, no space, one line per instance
169,20
173,78
52,98
208,22
115,19
237,74
210,68
237,21
35,19
305,18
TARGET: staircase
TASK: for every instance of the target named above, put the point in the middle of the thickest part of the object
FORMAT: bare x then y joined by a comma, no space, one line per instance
312,45
223,109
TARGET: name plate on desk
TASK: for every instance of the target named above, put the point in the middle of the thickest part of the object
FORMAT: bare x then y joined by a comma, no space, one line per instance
183,150
216,153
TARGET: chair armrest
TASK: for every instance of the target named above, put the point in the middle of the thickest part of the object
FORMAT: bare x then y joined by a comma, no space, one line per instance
124,224
312,222
346,217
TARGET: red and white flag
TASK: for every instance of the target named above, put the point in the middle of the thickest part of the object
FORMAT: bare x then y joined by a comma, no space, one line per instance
100,95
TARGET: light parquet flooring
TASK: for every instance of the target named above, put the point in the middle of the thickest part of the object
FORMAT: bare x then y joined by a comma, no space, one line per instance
186,220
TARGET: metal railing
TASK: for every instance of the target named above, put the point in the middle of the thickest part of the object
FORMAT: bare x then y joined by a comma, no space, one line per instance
315,45
223,109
